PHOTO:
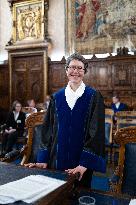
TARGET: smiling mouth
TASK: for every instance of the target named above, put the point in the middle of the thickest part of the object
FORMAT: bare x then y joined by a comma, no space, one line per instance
75,75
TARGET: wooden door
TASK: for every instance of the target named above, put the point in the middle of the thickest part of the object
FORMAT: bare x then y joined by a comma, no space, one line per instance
27,78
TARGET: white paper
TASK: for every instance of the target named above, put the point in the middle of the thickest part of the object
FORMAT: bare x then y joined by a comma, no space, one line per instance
28,189
132,202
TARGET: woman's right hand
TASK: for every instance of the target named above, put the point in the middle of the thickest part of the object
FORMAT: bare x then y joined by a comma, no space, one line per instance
36,165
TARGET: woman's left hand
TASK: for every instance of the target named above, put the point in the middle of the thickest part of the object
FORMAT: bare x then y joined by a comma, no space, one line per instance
79,169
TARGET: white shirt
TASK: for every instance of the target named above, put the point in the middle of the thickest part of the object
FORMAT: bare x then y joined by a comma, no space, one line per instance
117,105
72,96
16,114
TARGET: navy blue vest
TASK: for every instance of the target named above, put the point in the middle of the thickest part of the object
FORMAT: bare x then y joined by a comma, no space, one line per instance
71,128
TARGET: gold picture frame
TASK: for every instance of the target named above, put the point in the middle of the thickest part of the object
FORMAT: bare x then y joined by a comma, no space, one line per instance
99,26
28,21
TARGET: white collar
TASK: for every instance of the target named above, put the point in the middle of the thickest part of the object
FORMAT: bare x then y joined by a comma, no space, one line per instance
72,96
16,114
117,105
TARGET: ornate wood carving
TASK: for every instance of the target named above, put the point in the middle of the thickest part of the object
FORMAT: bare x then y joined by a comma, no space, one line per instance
123,74
28,50
122,137
27,78
30,21
33,120
4,86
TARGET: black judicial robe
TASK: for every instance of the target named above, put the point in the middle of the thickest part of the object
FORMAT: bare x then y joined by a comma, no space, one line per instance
92,151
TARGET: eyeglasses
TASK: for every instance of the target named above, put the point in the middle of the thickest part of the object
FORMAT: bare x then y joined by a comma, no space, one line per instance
73,67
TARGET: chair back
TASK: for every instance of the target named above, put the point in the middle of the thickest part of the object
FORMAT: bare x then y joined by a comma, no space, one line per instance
126,138
108,126
34,125
126,119
27,110
40,106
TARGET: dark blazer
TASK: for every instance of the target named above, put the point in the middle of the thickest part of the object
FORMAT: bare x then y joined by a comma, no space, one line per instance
19,124
122,107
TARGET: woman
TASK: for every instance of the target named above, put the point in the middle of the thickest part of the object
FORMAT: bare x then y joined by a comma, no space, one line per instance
73,137
14,127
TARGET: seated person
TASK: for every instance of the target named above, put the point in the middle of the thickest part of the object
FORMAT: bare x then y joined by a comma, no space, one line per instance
14,127
31,104
117,106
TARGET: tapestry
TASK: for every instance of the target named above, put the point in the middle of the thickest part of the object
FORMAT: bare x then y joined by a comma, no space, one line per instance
100,26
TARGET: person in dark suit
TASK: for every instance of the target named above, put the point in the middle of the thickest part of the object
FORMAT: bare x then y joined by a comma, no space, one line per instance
117,105
15,124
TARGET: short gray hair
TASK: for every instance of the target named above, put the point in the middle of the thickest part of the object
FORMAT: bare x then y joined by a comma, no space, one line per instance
79,57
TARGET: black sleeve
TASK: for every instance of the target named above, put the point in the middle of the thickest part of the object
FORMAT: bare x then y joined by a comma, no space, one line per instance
9,120
93,153
95,140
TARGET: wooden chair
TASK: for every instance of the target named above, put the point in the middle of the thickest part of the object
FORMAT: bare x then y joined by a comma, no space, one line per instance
126,119
27,110
124,178
108,131
40,107
34,126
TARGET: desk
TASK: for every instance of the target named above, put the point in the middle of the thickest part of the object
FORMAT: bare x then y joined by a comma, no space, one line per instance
9,172
101,199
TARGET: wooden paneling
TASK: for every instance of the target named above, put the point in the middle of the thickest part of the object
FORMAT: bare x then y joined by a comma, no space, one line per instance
109,75
57,75
114,74
4,86
123,74
27,78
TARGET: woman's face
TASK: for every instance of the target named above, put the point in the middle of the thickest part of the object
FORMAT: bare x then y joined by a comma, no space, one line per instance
75,72
18,107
